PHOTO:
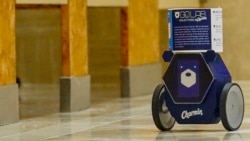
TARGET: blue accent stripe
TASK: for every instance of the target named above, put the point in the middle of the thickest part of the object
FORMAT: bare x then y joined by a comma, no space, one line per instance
170,24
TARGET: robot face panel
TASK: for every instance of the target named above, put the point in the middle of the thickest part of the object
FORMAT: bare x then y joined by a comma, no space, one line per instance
188,75
188,78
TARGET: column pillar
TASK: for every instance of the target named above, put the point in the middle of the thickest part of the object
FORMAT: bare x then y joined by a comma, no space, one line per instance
9,104
141,67
75,80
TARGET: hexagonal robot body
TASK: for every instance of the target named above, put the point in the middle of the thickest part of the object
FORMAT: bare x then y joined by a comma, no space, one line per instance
185,77
194,91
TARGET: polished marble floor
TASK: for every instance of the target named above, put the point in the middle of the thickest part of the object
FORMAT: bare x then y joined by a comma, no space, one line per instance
119,120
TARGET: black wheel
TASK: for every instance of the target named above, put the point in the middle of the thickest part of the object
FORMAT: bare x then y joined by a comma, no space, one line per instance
162,118
231,106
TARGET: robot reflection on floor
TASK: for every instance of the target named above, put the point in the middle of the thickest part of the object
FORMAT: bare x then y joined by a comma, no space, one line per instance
197,89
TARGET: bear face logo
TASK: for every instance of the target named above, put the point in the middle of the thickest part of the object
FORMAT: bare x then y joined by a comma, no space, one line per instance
188,78
177,15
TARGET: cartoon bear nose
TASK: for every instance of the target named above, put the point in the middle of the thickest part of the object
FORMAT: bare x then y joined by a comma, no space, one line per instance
188,74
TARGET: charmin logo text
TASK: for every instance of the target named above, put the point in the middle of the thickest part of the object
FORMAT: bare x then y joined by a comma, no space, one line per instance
188,15
188,114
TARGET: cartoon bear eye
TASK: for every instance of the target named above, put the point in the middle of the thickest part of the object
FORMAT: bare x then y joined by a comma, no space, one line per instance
188,74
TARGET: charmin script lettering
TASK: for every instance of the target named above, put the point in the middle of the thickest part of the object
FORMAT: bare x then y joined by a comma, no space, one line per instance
188,114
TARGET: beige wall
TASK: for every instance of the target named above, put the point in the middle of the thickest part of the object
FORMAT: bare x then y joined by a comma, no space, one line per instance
165,4
236,28
38,45
104,51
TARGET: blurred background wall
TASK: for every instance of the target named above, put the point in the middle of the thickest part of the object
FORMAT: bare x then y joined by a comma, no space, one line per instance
38,44
104,40
34,36
38,58
39,40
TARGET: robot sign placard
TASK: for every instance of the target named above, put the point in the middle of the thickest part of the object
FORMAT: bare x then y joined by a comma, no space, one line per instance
195,29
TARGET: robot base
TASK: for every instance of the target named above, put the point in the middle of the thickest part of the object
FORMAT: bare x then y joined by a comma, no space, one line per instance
231,108
197,89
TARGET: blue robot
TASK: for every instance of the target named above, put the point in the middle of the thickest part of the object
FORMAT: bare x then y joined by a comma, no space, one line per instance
197,89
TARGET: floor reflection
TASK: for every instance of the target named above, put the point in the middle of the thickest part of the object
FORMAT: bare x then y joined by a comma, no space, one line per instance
199,136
